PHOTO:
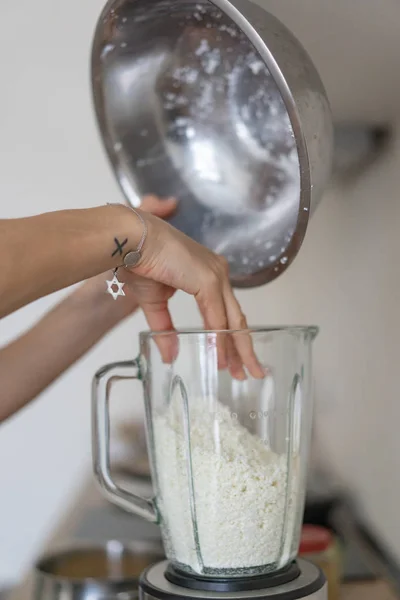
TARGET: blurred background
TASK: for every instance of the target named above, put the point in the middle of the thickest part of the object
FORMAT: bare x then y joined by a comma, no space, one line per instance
346,278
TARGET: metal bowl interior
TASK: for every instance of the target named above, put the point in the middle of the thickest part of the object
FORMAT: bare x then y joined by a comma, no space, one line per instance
187,107
112,562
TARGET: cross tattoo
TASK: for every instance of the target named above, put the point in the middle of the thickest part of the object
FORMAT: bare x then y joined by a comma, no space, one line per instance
120,245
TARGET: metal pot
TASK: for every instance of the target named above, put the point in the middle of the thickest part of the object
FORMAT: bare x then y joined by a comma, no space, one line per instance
94,572
218,104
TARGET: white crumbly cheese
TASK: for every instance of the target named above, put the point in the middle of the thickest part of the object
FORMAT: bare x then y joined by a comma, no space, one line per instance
239,491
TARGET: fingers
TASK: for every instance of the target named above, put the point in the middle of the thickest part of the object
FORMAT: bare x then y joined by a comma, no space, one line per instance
160,208
159,318
235,364
201,273
221,311
242,340
212,307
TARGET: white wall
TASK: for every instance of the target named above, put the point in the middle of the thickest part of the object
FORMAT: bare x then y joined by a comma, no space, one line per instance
346,279
50,158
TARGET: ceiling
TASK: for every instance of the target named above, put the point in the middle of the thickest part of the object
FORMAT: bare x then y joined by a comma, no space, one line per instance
355,45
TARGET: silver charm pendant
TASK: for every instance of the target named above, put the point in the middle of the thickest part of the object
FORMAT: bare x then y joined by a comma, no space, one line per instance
132,258
114,287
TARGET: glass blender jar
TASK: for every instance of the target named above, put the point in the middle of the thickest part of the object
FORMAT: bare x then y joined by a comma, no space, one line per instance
228,457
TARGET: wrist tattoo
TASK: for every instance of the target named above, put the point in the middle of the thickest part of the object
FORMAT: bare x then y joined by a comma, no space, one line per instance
119,247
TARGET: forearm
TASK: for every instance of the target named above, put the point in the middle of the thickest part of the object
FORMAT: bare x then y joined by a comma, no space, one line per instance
45,253
35,360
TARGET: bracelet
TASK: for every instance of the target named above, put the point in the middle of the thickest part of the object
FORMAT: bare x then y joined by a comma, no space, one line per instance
131,259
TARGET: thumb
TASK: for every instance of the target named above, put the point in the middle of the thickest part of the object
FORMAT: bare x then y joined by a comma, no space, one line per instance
157,207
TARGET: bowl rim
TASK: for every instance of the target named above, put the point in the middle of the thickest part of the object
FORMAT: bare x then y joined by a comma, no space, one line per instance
133,547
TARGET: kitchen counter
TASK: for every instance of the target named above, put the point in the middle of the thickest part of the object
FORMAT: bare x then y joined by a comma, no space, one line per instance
367,591
92,519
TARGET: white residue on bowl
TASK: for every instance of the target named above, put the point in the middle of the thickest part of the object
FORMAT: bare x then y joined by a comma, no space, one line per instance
173,100
186,74
229,29
211,61
256,66
204,47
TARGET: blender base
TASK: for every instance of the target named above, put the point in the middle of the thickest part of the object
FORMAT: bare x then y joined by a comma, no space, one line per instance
231,584
309,584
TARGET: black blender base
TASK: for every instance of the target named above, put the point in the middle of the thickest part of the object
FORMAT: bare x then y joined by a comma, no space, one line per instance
306,581
231,584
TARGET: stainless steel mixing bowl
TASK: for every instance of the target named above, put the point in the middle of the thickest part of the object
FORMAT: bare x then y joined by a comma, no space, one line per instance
218,104
107,572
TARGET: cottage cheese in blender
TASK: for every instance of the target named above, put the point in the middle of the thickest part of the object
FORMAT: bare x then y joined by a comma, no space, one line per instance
229,507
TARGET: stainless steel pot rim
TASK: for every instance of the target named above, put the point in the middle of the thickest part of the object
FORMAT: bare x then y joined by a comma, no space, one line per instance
137,547
311,330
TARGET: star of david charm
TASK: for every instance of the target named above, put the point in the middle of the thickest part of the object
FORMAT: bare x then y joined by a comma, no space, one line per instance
115,283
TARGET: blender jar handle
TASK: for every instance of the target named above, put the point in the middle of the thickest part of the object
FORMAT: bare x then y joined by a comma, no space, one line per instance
101,390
